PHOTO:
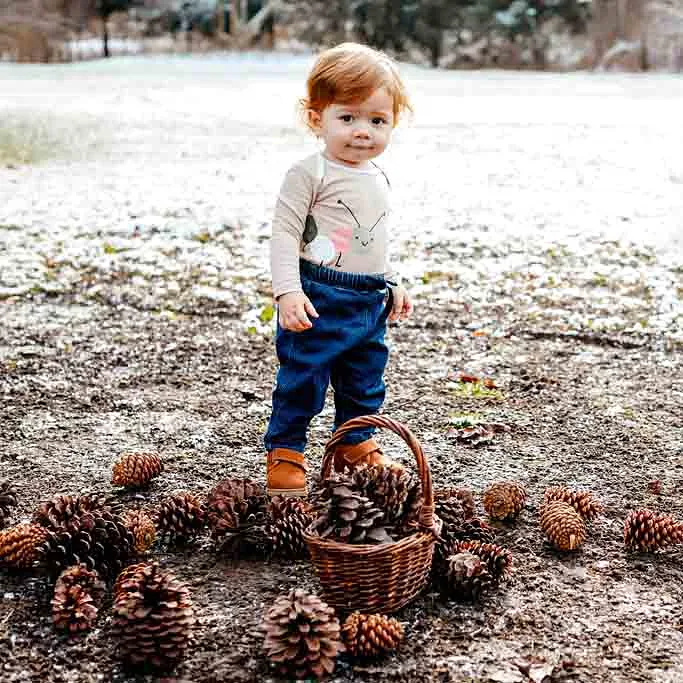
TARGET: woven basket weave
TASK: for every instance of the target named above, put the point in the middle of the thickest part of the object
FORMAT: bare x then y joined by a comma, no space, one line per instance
376,578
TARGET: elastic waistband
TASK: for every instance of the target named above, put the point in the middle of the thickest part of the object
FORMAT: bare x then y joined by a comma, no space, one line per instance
338,278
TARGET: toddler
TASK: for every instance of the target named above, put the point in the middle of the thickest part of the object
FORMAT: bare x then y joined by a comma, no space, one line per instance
332,281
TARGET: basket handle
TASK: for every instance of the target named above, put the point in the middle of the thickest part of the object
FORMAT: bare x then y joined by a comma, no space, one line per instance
426,519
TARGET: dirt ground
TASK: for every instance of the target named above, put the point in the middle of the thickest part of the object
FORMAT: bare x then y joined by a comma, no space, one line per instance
134,313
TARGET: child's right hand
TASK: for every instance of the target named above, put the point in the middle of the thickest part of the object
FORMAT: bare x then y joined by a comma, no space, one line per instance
295,307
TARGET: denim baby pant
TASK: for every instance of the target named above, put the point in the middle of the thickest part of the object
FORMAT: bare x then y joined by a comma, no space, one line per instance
345,346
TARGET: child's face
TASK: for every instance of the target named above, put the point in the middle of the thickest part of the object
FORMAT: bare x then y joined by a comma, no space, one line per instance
355,133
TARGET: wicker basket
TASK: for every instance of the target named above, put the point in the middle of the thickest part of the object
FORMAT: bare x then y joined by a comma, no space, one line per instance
376,578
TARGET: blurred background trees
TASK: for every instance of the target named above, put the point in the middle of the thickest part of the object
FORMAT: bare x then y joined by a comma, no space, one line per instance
558,34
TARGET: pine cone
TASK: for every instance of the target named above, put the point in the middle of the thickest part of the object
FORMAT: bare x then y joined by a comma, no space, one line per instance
349,517
648,531
8,499
153,617
458,496
302,635
136,469
236,514
56,514
465,577
141,525
562,524
125,574
504,500
289,518
20,546
411,510
386,487
498,559
180,517
100,540
582,501
77,593
371,635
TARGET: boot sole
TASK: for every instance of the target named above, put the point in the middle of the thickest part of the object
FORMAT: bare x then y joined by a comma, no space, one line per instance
288,493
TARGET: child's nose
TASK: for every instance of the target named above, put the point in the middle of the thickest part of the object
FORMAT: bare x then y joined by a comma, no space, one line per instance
361,131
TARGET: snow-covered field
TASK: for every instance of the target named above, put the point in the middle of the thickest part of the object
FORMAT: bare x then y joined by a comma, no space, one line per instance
142,152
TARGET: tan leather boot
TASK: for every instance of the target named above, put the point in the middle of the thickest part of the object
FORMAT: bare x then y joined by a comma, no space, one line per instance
363,453
286,473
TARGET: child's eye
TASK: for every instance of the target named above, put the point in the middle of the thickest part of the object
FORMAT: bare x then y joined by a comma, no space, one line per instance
346,118
378,121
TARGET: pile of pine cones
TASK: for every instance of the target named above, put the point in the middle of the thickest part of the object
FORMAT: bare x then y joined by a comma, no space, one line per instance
467,563
373,504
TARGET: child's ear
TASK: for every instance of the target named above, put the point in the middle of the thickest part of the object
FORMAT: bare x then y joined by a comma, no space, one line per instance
314,119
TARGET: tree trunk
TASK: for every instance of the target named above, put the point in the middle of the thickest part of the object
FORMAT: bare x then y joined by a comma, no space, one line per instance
105,36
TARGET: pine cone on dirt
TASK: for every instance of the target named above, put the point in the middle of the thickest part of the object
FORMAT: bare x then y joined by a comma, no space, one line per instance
504,500
648,531
458,496
21,545
498,559
237,516
582,501
126,574
136,469
288,519
153,617
562,524
349,517
465,577
302,635
142,526
386,487
8,500
180,517
78,591
56,514
371,635
98,539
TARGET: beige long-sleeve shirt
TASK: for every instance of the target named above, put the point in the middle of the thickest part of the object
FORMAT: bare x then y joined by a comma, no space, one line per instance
347,224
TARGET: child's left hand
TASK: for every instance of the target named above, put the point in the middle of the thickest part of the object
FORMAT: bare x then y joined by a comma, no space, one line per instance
403,305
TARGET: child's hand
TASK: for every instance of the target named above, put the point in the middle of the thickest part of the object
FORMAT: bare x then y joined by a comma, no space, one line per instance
295,307
403,305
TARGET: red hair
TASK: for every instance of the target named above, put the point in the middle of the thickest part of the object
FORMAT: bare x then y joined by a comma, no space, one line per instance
349,73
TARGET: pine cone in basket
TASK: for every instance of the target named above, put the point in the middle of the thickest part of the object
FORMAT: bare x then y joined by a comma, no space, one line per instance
412,507
57,513
237,516
562,524
498,559
387,487
136,469
582,501
348,517
98,539
504,500
8,500
20,546
465,577
78,591
288,519
153,617
142,526
180,517
371,635
648,531
302,635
